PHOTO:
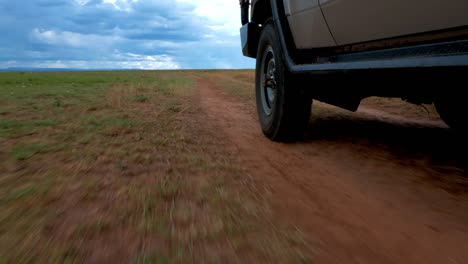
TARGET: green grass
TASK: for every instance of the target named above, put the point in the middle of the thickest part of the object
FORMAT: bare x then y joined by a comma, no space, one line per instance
240,84
122,162
141,98
12,128
23,152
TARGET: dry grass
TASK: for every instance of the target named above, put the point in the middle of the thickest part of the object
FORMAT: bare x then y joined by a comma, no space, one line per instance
120,167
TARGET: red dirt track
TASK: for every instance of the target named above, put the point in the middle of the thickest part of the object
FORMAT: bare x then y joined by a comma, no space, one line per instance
370,187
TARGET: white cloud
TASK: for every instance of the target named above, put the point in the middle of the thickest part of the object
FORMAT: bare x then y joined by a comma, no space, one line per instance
139,61
72,39
166,44
81,2
8,64
222,16
117,61
122,5
93,65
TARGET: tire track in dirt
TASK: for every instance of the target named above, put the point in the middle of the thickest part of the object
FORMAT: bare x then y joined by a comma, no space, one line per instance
355,203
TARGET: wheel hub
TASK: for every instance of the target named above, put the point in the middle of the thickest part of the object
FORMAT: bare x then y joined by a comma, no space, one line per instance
268,81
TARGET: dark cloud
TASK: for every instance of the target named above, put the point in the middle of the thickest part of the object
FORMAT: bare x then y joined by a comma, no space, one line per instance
96,33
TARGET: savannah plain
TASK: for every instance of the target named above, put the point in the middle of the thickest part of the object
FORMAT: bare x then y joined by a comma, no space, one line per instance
172,167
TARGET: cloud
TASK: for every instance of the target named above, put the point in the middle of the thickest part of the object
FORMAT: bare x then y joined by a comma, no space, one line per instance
73,39
121,4
121,61
140,34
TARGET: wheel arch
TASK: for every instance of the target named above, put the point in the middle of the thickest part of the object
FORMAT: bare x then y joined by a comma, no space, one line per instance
261,11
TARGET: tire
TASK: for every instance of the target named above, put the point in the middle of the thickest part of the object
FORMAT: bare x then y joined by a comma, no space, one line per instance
283,107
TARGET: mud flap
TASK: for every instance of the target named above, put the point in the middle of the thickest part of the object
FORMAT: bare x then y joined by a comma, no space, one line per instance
250,33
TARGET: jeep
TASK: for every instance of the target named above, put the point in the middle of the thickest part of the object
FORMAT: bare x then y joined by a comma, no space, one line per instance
342,51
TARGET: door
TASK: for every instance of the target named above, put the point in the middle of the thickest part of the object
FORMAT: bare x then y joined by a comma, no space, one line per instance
354,21
307,24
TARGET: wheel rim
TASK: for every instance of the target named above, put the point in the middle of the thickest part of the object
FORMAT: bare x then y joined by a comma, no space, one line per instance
268,81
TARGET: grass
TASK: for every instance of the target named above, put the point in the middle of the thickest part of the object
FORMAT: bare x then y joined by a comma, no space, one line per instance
240,84
24,152
13,128
120,167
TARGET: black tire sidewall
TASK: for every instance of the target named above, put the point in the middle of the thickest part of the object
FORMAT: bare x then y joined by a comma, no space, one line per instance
270,123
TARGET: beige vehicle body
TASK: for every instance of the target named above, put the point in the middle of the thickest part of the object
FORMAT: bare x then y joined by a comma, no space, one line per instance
326,23
342,51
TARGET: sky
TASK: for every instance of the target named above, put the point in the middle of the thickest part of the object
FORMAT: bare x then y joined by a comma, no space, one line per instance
121,34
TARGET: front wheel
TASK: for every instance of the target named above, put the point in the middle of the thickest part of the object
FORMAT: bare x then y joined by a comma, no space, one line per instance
283,106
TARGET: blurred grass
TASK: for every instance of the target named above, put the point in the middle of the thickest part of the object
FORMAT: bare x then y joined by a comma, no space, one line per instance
121,167
239,83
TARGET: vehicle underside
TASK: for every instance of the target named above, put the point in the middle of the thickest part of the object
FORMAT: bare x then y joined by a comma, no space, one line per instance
421,68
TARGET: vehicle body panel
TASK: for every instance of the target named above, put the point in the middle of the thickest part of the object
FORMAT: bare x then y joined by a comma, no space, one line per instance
355,21
297,6
327,23
307,24
309,28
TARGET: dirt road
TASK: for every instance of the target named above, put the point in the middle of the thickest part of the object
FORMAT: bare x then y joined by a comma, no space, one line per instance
370,187
171,167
